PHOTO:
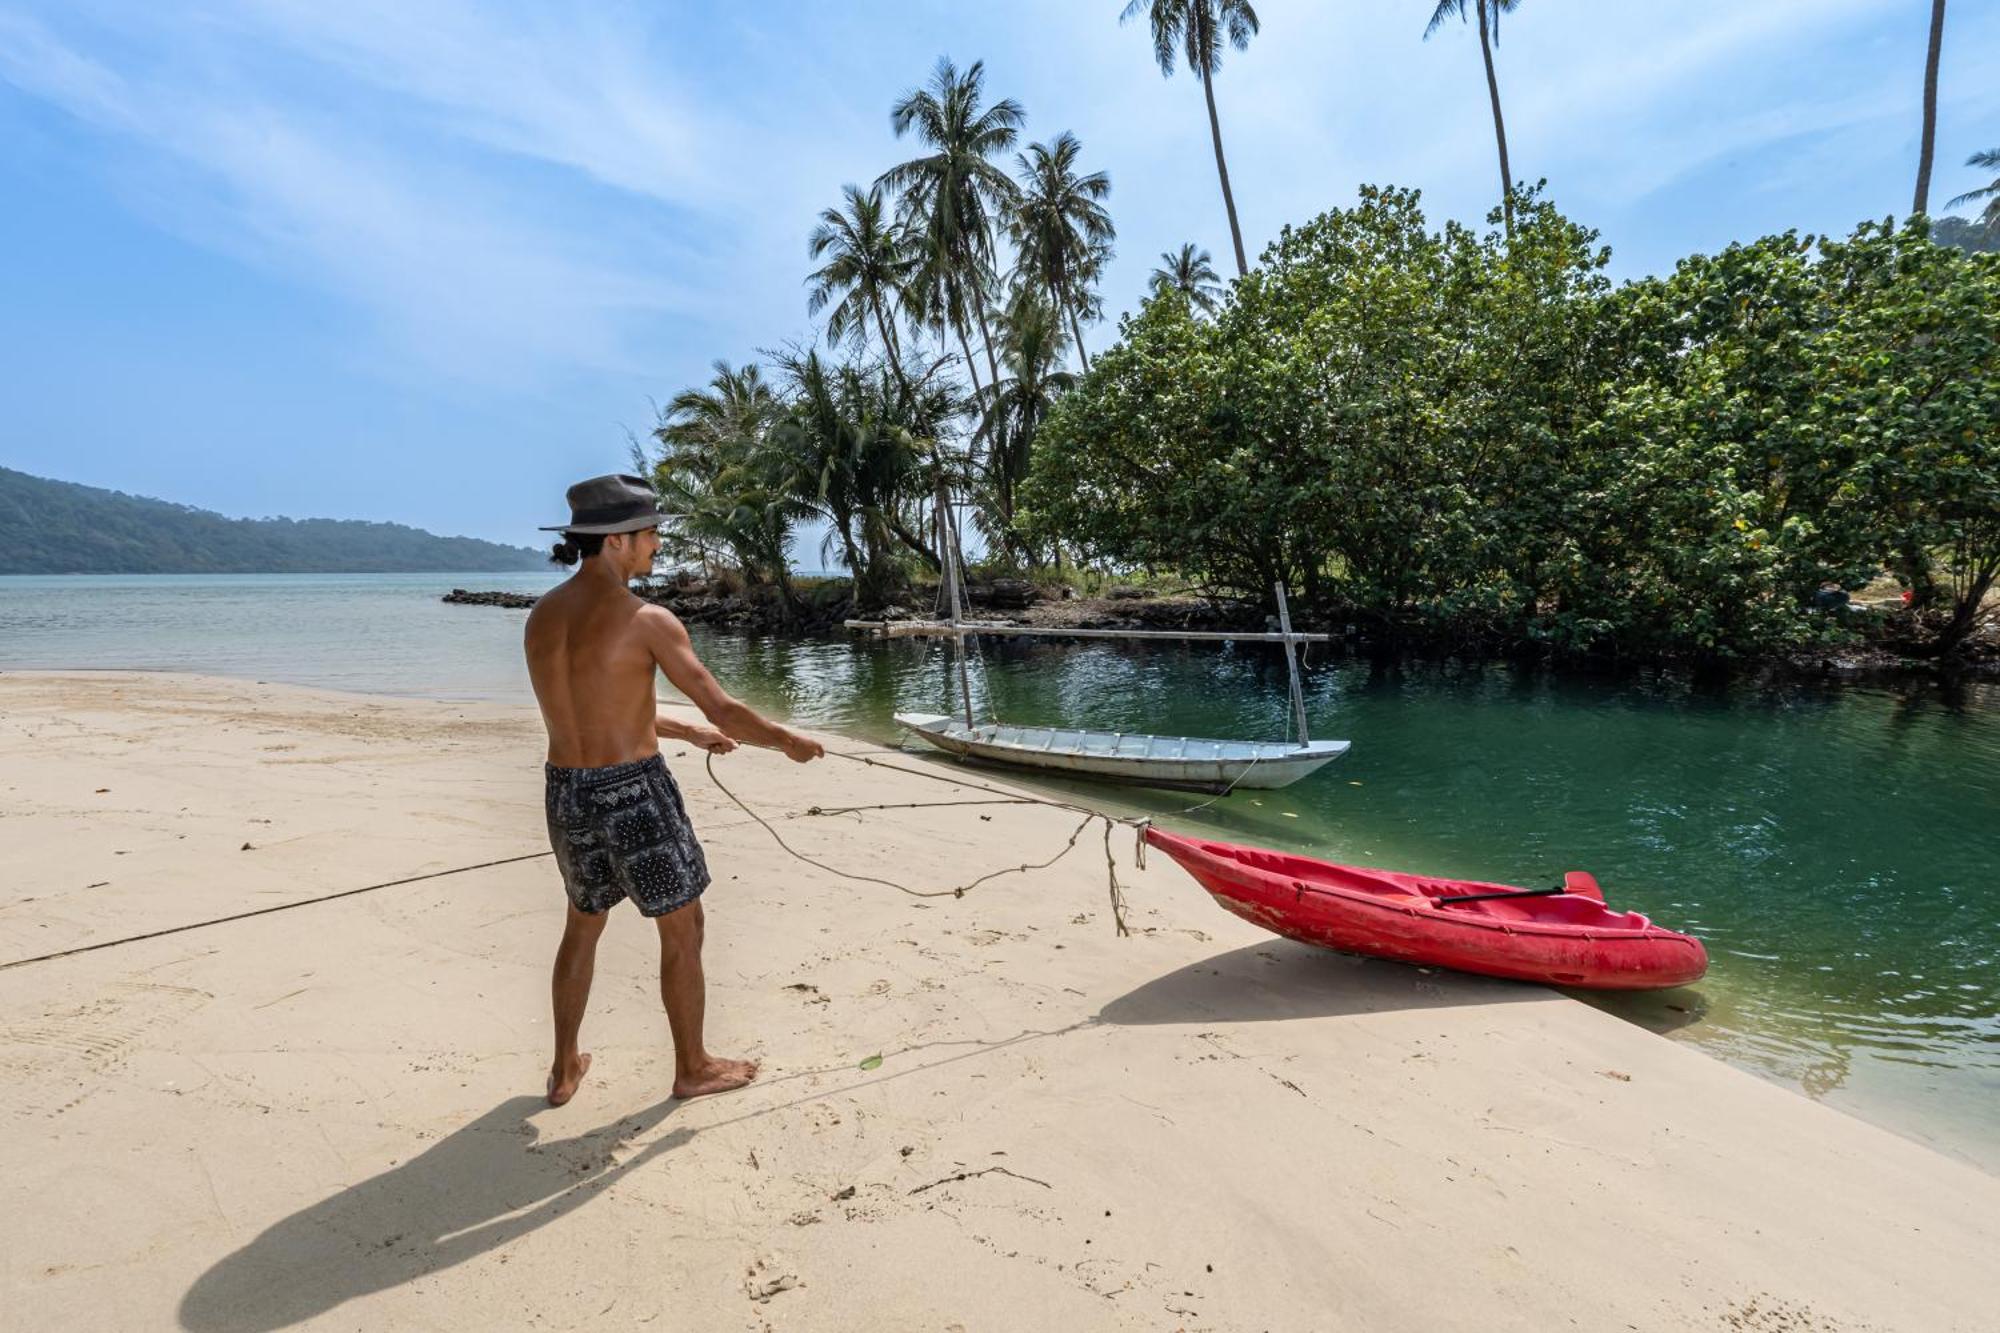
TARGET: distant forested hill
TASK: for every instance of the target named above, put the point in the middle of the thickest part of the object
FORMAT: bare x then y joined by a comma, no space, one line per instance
56,527
1972,236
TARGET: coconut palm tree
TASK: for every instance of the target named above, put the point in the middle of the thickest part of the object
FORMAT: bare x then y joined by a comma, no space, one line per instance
1032,352
1196,30
697,424
868,263
1062,234
723,485
1190,273
1489,12
863,455
1990,160
1929,140
952,197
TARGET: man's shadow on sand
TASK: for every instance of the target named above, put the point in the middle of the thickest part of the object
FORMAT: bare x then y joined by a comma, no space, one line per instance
481,1187
493,1181
478,1188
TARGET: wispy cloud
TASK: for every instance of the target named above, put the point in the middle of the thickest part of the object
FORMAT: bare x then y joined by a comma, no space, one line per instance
587,89
470,265
513,192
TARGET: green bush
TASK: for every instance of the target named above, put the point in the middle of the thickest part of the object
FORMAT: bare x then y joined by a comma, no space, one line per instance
1444,430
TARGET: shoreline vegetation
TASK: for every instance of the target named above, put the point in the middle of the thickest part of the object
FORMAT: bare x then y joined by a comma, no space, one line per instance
1443,440
724,602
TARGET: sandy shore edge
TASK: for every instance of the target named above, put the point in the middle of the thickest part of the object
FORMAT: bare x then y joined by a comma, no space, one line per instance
329,1114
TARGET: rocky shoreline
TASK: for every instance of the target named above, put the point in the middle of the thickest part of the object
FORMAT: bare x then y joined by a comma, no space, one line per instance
516,601
821,609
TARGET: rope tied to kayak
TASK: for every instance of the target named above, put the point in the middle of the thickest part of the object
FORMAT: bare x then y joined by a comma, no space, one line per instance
1139,824
1090,816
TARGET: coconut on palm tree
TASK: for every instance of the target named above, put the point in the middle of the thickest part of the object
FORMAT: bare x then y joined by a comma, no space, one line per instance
1488,12
1928,141
1990,160
1195,30
868,261
1191,273
952,197
1062,233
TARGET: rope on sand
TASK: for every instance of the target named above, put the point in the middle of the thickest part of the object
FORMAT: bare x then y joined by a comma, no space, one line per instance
266,911
1000,797
1003,797
960,890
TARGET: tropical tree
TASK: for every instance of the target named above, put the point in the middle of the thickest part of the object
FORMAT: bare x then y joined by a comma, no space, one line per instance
867,263
1990,160
952,197
1195,30
1911,376
864,454
1489,12
725,487
1031,359
1062,233
1929,139
1191,273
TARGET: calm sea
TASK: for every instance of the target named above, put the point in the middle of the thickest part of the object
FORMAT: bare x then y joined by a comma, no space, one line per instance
1838,849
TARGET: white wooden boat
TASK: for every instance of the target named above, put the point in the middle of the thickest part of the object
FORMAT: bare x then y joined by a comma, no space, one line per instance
1197,762
1191,762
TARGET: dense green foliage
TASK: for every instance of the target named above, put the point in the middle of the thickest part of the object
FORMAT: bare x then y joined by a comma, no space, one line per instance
1478,433
743,462
56,527
1465,437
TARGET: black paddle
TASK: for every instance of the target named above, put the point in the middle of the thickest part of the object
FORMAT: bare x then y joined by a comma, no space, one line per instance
1504,893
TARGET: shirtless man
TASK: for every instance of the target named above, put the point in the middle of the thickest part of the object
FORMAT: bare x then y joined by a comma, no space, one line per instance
615,815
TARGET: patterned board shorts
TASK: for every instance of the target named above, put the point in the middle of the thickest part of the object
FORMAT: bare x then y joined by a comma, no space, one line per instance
622,832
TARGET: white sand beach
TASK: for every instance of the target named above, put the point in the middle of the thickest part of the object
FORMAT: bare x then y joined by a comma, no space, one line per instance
331,1117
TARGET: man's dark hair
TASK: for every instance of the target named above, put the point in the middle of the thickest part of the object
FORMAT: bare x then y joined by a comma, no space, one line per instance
576,546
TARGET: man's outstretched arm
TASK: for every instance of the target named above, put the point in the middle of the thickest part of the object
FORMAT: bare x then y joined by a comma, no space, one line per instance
668,640
698,733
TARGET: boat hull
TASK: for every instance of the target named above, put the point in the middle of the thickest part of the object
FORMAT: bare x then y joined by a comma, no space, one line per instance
1569,939
1184,762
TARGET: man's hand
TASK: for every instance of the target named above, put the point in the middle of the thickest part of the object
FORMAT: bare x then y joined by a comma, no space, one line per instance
709,739
802,749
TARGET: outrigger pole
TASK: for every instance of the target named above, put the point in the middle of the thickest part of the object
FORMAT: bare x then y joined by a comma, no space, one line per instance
1292,666
948,548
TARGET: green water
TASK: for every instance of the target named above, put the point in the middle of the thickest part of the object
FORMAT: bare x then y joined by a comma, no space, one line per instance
1837,849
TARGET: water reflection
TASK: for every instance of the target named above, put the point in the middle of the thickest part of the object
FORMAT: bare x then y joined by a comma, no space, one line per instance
1836,848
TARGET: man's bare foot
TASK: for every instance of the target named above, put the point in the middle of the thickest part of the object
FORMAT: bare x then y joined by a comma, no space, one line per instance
562,1082
715,1076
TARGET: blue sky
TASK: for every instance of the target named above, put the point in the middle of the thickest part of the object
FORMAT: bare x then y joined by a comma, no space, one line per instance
429,262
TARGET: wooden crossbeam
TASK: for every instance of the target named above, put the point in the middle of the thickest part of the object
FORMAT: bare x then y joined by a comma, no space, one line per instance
938,629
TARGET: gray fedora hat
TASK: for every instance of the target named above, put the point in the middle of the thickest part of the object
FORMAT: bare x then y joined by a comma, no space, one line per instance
601,506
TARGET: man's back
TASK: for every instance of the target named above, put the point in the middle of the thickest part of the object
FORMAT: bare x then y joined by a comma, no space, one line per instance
617,824
593,671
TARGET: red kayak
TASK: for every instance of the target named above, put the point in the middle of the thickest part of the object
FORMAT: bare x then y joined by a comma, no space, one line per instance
1561,938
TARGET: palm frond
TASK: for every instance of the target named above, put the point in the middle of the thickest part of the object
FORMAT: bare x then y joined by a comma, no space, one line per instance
1990,159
